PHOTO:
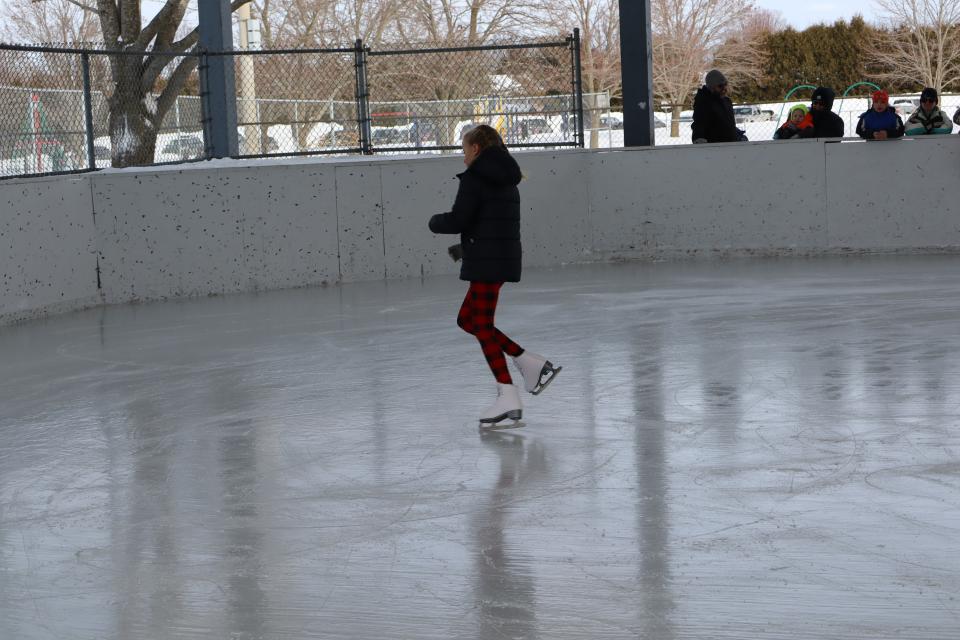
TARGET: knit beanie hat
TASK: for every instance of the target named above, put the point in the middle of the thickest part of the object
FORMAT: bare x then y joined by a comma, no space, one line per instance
715,78
881,96
798,107
824,95
929,92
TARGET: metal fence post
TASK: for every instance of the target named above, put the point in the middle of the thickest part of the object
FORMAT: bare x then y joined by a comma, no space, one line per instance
88,109
363,97
578,87
204,105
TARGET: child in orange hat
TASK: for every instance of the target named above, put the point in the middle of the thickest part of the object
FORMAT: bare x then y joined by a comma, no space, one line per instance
881,121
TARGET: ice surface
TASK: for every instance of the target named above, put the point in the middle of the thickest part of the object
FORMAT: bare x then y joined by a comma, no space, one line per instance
750,449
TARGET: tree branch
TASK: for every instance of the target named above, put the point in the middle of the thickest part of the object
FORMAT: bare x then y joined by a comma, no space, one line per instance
157,62
109,20
172,90
160,20
83,6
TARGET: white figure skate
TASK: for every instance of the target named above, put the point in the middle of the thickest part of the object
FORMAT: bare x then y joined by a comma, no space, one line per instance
507,407
536,370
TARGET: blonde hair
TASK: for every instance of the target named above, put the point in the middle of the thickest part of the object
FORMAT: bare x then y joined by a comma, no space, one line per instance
484,136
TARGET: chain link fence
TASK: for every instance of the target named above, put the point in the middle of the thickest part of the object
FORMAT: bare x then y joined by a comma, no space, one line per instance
68,110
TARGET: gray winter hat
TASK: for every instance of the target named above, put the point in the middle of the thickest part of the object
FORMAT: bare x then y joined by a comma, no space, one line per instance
715,78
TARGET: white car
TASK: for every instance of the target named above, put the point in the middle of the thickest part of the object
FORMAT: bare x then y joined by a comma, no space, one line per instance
906,106
749,113
178,147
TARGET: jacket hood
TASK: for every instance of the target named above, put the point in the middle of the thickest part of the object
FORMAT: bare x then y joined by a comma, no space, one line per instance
705,90
496,166
826,94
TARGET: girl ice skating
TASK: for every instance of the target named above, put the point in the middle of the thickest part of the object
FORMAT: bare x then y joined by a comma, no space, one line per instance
486,214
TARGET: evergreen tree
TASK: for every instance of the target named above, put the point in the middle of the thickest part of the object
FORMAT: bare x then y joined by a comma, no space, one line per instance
834,55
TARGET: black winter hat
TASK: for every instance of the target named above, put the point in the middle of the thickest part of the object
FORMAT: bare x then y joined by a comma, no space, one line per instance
929,92
824,95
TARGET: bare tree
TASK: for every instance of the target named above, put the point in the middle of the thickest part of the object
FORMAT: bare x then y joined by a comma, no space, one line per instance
742,55
686,34
457,78
55,22
373,21
599,24
145,81
327,23
461,22
921,42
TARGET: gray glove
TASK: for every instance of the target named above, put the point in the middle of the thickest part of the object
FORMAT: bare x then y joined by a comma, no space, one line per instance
456,252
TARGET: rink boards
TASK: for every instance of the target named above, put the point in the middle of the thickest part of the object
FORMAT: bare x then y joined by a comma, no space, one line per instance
218,227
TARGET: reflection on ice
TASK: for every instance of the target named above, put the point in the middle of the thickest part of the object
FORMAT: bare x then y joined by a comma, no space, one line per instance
734,449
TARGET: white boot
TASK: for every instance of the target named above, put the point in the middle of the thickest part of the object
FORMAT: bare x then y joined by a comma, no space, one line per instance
506,407
536,370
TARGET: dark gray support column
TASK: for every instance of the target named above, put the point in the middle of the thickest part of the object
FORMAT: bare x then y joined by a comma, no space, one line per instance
636,63
218,81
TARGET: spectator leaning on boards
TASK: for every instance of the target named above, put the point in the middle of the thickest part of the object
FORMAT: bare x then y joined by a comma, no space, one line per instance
826,124
881,121
928,118
799,124
713,119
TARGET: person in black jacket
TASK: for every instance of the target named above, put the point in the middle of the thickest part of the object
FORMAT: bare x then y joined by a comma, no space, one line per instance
713,119
486,214
826,124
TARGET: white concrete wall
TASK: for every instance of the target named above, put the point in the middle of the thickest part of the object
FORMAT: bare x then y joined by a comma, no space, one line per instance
201,230
215,228
896,195
706,199
47,250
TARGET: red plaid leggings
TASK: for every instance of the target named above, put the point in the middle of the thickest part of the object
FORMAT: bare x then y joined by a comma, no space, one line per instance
476,318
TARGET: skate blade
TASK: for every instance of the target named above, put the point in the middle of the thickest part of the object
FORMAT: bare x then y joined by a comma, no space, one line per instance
499,421
501,426
547,375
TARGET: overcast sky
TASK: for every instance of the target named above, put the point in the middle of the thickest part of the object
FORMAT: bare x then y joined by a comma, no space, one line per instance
797,13
800,15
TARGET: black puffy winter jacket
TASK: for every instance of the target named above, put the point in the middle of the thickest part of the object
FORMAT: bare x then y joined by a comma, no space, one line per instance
486,214
826,124
713,118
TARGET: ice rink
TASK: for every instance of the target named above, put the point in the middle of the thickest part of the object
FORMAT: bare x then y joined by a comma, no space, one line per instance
743,449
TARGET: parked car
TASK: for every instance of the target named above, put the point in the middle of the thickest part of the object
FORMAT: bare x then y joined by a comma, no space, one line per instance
612,120
906,106
532,126
750,113
399,135
178,147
